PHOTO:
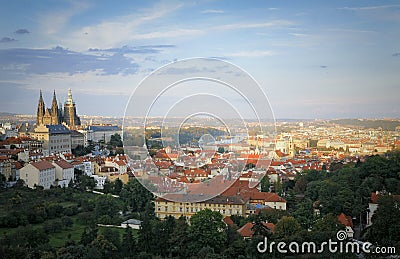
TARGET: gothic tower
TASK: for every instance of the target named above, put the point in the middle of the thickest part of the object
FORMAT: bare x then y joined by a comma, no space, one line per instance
55,115
55,119
70,116
40,110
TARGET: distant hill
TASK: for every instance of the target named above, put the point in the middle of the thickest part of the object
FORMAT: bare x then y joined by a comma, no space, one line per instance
7,114
368,123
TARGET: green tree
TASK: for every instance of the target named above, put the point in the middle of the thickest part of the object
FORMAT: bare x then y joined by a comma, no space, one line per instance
115,140
128,243
265,184
258,227
206,229
101,248
385,229
278,187
135,195
107,205
287,227
112,235
305,214
178,240
88,235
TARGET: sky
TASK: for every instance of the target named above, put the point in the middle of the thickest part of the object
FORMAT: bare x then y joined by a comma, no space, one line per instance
313,59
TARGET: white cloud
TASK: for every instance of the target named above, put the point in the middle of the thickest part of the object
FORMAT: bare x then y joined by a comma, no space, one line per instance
168,34
236,26
254,53
123,29
55,21
212,11
298,34
85,83
367,8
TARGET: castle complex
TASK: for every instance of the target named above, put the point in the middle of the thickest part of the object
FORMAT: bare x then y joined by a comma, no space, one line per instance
56,115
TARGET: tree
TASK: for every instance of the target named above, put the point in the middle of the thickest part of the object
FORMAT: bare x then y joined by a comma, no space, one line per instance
178,240
278,187
206,229
101,248
115,140
385,229
265,184
286,227
305,214
135,195
88,235
107,205
129,244
112,236
258,227
326,228
300,185
249,166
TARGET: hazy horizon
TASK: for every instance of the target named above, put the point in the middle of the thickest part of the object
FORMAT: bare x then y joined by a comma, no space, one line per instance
337,59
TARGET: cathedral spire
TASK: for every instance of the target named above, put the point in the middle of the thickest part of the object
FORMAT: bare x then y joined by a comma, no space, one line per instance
54,99
70,100
54,110
41,97
40,110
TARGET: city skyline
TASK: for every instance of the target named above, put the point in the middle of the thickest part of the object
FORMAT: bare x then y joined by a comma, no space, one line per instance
313,60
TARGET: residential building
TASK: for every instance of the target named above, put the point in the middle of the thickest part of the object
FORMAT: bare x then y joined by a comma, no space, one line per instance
100,133
347,221
64,172
247,231
56,138
77,139
41,173
226,205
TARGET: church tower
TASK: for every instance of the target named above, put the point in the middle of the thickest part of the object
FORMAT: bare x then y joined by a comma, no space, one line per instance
55,114
54,110
40,110
70,116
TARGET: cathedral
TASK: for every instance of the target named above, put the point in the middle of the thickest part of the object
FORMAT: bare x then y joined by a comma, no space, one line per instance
56,115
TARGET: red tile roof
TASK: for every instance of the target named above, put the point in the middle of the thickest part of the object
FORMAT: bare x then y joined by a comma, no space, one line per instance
64,164
228,221
374,198
242,187
42,165
18,165
345,220
247,229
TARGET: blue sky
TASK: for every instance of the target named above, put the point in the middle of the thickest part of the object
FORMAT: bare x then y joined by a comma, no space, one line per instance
313,59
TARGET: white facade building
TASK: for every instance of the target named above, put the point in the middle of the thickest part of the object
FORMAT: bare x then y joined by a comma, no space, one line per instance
41,173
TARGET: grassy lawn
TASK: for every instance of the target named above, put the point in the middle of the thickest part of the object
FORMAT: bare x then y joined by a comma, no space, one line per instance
120,230
75,232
